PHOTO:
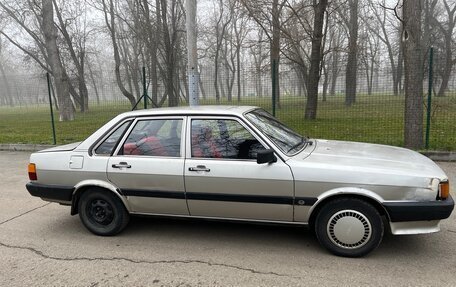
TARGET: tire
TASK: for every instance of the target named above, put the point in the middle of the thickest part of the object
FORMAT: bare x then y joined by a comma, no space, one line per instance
349,227
102,213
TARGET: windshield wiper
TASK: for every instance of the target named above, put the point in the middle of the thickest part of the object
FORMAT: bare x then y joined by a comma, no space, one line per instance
303,141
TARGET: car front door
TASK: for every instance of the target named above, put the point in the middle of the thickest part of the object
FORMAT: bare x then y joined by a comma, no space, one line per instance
223,179
147,166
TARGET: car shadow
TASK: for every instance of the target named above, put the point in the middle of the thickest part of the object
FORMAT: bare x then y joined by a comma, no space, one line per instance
239,236
202,230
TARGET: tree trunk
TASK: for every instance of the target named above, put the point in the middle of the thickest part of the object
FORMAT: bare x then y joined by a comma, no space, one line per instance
8,99
400,69
94,83
325,82
216,72
448,66
201,86
334,73
66,111
413,66
352,61
169,57
315,60
275,49
238,64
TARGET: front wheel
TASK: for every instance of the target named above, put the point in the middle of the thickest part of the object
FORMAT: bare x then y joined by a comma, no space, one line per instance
349,227
102,213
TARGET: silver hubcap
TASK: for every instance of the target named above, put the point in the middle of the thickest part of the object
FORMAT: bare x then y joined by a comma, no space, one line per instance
349,229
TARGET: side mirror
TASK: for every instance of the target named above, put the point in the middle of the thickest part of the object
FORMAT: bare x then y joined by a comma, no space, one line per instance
266,156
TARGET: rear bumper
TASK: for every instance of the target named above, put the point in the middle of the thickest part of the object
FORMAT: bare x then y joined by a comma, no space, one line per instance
419,211
50,192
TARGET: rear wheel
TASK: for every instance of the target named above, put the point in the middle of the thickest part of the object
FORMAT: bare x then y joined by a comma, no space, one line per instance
102,213
349,227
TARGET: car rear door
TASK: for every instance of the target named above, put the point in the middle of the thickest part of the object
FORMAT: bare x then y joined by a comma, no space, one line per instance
223,179
147,166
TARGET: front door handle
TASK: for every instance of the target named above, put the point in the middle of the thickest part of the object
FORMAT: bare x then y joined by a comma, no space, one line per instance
121,165
199,168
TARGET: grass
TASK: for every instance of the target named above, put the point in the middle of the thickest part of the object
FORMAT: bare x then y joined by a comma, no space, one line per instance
375,118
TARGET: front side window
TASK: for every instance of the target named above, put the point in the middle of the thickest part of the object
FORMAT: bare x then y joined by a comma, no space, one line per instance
222,138
107,146
154,137
282,136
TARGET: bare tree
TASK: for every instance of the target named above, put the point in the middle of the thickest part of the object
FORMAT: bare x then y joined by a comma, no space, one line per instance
378,25
38,24
240,31
352,60
6,96
369,51
257,51
172,17
61,79
221,24
413,68
315,59
447,29
76,46
267,14
109,12
336,40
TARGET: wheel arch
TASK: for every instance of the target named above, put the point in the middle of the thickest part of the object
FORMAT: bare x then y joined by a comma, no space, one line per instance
359,193
85,185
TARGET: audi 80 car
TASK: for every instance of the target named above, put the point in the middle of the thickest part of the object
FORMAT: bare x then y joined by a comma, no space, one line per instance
240,163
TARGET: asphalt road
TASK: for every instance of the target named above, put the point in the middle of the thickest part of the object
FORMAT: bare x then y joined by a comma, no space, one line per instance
41,244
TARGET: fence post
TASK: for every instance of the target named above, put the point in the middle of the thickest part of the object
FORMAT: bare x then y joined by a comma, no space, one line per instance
50,106
429,99
274,88
144,87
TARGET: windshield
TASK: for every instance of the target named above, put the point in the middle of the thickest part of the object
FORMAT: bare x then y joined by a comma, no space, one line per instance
283,137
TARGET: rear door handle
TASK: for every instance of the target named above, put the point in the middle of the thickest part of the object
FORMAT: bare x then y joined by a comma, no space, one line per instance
199,168
121,165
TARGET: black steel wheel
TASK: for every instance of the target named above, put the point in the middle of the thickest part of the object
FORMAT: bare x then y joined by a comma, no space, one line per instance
349,227
102,213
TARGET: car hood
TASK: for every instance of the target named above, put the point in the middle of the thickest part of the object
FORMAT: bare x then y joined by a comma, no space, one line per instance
363,162
66,147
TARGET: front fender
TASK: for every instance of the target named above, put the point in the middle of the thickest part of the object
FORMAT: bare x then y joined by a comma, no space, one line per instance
357,191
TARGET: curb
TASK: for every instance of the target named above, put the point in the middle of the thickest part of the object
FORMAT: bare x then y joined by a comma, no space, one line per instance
440,155
24,147
434,155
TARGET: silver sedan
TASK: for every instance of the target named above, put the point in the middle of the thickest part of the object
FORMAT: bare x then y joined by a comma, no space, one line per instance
240,163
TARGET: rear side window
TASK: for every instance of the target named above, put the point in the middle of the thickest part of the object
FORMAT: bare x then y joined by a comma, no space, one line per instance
108,145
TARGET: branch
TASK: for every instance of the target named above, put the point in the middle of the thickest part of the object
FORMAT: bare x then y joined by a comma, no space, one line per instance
34,57
395,9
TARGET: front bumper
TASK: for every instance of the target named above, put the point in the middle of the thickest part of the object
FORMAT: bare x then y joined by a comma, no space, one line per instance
50,192
419,211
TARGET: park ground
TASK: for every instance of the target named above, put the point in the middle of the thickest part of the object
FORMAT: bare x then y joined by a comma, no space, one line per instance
374,118
42,245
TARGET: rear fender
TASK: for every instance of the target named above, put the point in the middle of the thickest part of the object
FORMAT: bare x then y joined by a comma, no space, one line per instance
83,185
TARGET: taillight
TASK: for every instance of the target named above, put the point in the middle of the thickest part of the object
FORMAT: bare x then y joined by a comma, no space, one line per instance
32,171
444,189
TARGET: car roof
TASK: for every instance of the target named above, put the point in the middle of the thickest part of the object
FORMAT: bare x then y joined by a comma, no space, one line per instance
186,110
